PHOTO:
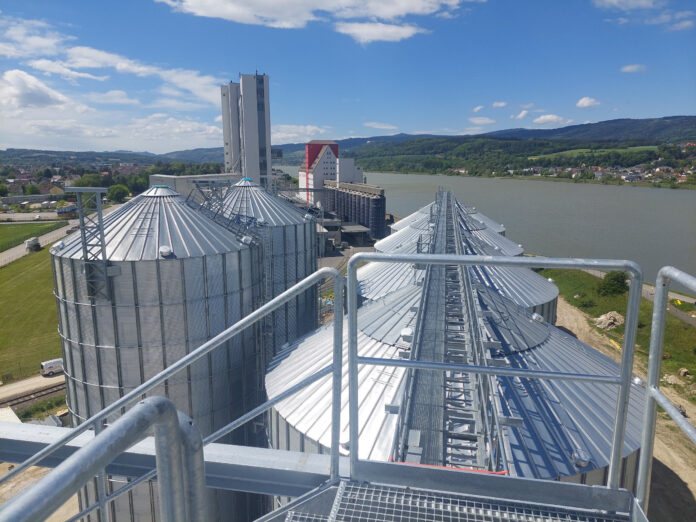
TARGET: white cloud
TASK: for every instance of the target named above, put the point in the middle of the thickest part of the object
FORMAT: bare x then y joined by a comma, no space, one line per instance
113,97
625,5
478,108
633,68
380,125
21,38
367,32
204,87
527,105
586,102
499,104
520,116
297,13
218,119
365,15
49,67
551,119
19,90
681,26
472,130
296,133
481,120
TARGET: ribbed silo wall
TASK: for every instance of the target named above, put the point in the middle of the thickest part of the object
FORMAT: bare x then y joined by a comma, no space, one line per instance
289,255
158,312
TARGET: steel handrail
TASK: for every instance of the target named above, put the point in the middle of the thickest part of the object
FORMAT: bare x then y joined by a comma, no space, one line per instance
655,397
634,295
204,349
179,454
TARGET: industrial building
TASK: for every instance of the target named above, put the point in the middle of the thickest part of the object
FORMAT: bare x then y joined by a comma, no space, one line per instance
322,163
357,203
246,127
519,427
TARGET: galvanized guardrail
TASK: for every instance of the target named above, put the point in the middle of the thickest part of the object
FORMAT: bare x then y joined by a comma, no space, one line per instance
623,380
179,451
654,396
97,421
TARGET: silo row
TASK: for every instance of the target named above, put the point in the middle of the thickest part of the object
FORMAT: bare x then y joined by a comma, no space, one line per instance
480,236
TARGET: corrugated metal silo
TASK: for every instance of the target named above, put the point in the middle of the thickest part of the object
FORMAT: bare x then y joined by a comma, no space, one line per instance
289,241
175,280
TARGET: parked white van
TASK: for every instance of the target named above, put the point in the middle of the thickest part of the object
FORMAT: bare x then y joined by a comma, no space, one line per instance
51,367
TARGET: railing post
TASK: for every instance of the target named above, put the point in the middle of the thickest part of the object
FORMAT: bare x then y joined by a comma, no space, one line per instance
194,468
354,431
337,375
635,293
657,335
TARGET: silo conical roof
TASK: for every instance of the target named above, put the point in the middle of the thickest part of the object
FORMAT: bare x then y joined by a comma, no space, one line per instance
247,199
159,217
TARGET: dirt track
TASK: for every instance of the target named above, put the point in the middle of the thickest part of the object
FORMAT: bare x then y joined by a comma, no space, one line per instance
673,491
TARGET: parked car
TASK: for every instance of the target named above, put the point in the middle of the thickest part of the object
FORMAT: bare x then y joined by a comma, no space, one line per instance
52,367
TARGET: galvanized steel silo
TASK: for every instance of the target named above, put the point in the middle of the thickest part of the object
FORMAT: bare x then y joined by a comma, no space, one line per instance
175,280
289,240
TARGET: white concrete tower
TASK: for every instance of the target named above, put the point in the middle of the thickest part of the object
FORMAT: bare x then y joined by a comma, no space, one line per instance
246,125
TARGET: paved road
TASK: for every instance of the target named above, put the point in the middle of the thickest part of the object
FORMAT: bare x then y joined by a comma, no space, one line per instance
649,294
15,253
29,385
29,216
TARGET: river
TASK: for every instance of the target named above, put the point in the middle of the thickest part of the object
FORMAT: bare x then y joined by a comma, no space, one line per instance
653,227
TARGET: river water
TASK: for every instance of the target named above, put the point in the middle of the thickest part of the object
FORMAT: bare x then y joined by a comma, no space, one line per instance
653,227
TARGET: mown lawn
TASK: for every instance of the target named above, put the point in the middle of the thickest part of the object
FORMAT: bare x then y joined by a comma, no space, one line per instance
28,316
680,338
14,234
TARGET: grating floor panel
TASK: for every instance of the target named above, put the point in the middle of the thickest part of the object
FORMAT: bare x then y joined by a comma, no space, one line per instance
368,502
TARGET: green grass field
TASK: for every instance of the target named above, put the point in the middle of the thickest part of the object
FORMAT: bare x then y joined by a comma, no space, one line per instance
14,234
29,330
680,338
574,152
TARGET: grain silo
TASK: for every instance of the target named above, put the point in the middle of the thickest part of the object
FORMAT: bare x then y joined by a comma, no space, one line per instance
172,280
289,241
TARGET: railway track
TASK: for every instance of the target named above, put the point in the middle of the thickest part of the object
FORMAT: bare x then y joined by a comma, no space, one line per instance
28,398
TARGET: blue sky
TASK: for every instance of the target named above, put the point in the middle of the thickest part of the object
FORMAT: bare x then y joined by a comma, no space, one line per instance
145,74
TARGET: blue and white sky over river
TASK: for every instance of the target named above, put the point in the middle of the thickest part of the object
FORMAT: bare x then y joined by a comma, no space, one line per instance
145,74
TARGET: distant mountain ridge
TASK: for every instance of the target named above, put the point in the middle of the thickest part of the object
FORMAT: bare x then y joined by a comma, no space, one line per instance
647,130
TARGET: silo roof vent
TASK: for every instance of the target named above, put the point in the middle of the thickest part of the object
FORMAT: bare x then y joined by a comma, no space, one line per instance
165,251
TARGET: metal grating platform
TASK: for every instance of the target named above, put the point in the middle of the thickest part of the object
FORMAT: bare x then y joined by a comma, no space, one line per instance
368,502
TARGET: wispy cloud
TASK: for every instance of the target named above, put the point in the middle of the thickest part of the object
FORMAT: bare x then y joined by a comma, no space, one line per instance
477,108
499,104
21,38
113,97
586,102
551,119
633,68
380,125
520,116
297,133
49,67
481,120
368,32
626,5
527,105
